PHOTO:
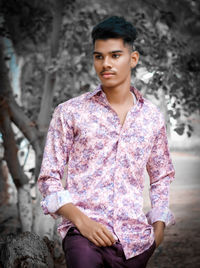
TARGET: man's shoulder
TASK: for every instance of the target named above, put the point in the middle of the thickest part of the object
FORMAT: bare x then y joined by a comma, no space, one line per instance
152,110
148,107
151,106
75,102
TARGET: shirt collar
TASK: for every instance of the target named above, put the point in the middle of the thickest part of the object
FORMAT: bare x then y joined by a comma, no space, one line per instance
94,92
98,91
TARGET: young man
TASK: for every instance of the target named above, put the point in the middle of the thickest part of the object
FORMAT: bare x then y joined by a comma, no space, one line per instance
107,138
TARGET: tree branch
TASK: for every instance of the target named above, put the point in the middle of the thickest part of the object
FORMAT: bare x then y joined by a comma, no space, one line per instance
11,149
26,126
15,112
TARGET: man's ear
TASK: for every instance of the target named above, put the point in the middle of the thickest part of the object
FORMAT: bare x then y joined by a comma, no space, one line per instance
134,58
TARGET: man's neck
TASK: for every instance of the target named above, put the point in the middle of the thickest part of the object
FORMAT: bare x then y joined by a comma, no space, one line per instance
118,95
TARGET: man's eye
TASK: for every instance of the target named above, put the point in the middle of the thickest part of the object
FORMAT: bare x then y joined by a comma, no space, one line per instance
115,56
98,57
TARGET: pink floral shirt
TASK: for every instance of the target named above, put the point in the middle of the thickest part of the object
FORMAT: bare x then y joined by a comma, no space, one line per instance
106,163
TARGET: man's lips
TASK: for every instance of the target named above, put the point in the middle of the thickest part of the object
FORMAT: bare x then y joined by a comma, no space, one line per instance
107,74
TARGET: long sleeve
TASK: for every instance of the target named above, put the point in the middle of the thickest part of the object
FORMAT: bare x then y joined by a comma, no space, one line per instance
56,153
161,173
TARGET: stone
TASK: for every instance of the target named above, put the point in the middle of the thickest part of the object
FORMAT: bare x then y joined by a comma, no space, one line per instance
26,250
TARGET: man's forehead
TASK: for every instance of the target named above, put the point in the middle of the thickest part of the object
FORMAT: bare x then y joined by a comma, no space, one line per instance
111,44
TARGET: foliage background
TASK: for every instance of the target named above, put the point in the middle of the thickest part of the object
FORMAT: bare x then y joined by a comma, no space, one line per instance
168,42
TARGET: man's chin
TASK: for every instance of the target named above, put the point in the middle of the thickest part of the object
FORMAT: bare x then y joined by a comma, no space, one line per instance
109,84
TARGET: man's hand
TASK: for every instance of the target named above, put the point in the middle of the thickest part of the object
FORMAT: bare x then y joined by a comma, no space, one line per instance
159,227
92,230
95,232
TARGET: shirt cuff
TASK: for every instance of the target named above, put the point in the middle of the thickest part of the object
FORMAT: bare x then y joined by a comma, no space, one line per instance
51,203
164,215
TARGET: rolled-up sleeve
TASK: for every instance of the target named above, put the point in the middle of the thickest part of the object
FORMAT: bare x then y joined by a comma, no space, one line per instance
161,173
56,154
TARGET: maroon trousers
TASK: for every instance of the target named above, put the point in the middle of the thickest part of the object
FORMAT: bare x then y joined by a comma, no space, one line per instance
82,253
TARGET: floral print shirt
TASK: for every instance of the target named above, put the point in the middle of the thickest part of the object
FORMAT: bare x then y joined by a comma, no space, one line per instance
105,167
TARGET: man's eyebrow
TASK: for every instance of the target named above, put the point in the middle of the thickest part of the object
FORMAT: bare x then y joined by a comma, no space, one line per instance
111,52
116,51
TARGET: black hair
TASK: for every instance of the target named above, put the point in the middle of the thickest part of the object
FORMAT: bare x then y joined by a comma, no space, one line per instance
115,27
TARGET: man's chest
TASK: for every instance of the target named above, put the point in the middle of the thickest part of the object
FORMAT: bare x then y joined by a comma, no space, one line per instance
121,112
105,126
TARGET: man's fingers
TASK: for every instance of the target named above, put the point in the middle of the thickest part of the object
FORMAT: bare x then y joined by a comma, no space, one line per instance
100,240
105,238
97,233
94,241
109,235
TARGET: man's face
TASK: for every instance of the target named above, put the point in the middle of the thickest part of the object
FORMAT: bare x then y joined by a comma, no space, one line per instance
113,61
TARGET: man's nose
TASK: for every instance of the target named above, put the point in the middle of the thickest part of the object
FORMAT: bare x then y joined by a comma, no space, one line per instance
107,63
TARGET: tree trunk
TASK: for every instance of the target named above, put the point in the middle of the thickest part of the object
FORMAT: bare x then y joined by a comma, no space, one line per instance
3,184
50,78
18,175
45,114
36,136
43,225
25,207
11,150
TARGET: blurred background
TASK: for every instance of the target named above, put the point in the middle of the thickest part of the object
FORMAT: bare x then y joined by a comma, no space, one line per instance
46,59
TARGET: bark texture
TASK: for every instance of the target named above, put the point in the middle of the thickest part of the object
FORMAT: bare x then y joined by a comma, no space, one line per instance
25,250
3,184
25,207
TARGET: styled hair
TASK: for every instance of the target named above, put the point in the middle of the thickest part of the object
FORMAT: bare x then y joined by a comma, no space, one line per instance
115,27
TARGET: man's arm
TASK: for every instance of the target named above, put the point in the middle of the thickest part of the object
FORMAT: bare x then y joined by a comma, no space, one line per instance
161,173
57,200
56,153
92,230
